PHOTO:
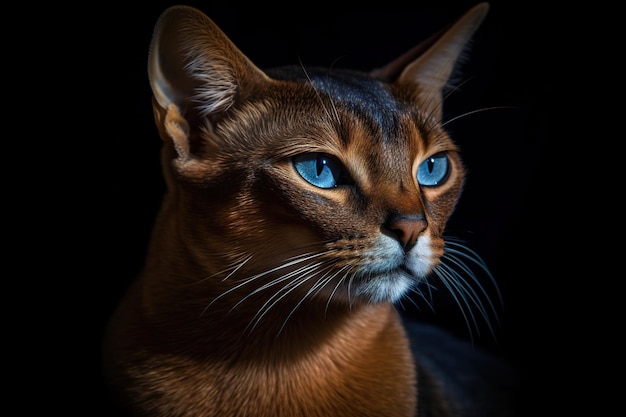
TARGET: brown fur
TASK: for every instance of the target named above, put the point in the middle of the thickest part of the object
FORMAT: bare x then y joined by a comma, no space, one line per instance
195,335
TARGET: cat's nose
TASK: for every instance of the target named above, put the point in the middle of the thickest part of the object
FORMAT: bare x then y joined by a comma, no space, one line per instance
406,229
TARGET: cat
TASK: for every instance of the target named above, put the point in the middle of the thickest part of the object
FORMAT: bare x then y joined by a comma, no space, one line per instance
302,204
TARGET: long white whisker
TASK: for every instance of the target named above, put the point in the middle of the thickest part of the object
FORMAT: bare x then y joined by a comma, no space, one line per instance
282,293
247,281
302,270
429,299
345,268
444,277
469,288
234,271
414,289
473,257
232,268
230,274
321,282
460,280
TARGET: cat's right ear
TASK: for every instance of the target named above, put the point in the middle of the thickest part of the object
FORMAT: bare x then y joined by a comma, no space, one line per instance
196,73
430,65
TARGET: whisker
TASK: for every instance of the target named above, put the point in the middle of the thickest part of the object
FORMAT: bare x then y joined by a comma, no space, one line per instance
473,257
281,294
233,268
237,268
467,293
292,261
321,282
415,289
456,88
339,283
328,113
461,282
476,111
460,264
448,282
350,280
282,278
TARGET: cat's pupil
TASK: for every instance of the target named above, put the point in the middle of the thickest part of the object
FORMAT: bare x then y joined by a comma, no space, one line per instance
320,169
322,162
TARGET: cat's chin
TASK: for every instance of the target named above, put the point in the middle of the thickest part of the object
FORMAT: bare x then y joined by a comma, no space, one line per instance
388,287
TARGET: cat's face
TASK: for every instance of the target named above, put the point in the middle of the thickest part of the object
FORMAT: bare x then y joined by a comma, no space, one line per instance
305,183
343,187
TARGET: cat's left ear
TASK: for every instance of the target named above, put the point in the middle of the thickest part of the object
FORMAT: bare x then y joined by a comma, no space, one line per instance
431,64
197,76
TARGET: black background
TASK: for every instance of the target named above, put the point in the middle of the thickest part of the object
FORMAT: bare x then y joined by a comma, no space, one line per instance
112,175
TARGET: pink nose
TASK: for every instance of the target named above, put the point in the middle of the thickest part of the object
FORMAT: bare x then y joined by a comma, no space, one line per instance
406,229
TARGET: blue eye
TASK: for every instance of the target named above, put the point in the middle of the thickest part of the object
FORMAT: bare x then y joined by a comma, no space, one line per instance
320,169
433,170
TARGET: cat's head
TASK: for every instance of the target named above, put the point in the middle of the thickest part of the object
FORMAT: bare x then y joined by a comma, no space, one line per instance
312,182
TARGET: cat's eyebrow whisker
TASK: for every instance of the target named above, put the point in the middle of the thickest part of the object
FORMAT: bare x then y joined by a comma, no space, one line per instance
457,87
334,112
433,95
449,91
438,108
476,111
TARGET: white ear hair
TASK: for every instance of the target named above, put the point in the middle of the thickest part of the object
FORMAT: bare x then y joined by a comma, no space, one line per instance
194,65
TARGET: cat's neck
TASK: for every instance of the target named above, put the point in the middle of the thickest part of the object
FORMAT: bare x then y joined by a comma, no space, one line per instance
219,330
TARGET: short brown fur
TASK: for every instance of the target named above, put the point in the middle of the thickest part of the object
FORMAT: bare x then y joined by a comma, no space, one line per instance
229,317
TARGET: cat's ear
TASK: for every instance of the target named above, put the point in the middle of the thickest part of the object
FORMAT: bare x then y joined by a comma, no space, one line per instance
195,73
430,65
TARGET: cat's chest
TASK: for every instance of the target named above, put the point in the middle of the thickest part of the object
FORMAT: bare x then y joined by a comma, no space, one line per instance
327,375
